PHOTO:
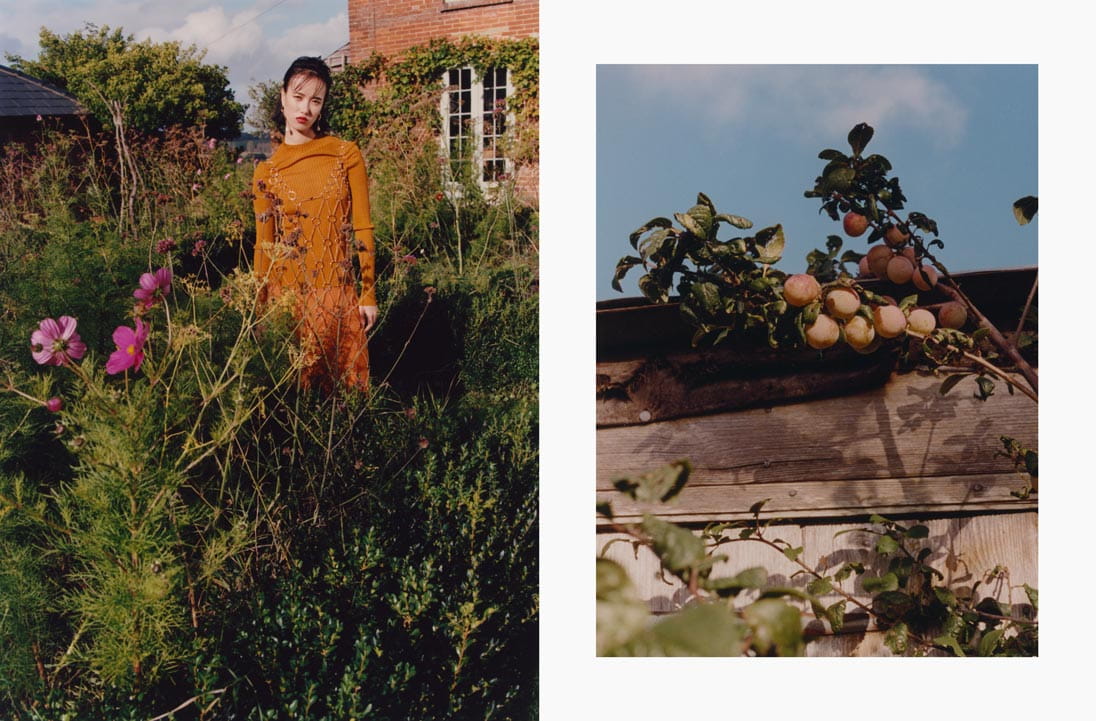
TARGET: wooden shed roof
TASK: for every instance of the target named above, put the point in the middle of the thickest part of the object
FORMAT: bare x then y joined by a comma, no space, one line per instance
23,96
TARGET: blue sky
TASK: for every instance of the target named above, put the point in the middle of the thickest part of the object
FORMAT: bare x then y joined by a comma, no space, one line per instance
963,139
255,39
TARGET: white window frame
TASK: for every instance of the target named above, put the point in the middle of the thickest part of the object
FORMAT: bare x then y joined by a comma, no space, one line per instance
476,119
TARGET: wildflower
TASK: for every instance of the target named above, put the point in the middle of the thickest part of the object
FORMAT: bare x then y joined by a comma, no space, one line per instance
56,341
195,188
423,443
439,196
38,118
239,160
199,246
54,404
154,286
211,143
228,175
165,246
131,348
410,259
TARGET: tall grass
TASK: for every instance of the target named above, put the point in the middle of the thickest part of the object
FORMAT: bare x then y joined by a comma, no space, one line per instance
202,534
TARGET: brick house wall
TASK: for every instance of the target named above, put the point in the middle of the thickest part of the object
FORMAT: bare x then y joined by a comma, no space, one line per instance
389,27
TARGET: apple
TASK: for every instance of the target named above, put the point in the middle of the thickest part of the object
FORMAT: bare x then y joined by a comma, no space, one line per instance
894,236
890,321
823,332
865,269
801,289
855,224
878,257
925,278
842,303
899,270
952,314
859,333
921,321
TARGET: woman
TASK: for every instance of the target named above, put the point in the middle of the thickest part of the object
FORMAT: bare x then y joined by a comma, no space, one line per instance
312,212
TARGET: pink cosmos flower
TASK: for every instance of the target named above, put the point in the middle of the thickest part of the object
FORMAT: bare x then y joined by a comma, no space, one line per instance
56,341
131,348
154,286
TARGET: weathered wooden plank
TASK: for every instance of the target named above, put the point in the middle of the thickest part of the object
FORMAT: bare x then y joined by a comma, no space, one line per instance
887,448
673,385
829,499
968,550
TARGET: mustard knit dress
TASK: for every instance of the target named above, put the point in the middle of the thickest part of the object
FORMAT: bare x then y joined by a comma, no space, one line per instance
311,214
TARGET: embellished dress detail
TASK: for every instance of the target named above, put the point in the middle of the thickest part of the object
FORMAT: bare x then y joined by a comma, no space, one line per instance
311,217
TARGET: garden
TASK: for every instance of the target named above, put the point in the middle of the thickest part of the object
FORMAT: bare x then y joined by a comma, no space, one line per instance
184,531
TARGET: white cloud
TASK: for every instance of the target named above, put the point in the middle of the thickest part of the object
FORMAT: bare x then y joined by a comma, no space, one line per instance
808,102
226,37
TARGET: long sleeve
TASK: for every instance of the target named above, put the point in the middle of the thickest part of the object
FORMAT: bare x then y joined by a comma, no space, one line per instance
361,222
264,222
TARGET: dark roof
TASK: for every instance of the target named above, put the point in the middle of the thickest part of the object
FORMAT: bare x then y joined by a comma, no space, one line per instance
22,95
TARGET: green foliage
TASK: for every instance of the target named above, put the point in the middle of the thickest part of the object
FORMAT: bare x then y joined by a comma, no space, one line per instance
714,624
908,600
157,84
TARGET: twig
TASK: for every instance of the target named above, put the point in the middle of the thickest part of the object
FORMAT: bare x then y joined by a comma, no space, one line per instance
184,704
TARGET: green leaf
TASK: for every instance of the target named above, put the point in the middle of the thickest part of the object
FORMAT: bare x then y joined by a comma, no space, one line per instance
771,242
736,220
755,577
990,641
659,222
897,638
985,388
918,531
946,596
702,199
837,178
605,508
658,486
678,549
886,545
623,266
755,509
820,586
1031,463
621,615
949,643
706,295
859,137
847,570
1025,209
886,582
893,605
835,614
650,288
831,154
1033,596
776,627
950,382
710,629
793,553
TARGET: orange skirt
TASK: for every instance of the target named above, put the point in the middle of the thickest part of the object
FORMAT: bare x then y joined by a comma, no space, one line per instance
332,335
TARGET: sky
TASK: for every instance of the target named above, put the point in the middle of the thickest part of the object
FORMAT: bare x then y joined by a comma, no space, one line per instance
962,139
255,39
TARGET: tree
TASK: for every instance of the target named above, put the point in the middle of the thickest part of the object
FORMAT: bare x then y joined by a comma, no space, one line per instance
157,84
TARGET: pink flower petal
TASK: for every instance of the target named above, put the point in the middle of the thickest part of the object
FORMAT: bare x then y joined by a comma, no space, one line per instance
119,360
68,326
77,348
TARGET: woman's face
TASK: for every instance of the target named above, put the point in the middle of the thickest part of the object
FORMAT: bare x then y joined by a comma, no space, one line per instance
302,102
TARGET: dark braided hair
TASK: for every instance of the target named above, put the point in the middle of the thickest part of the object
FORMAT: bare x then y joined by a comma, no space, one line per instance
309,67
